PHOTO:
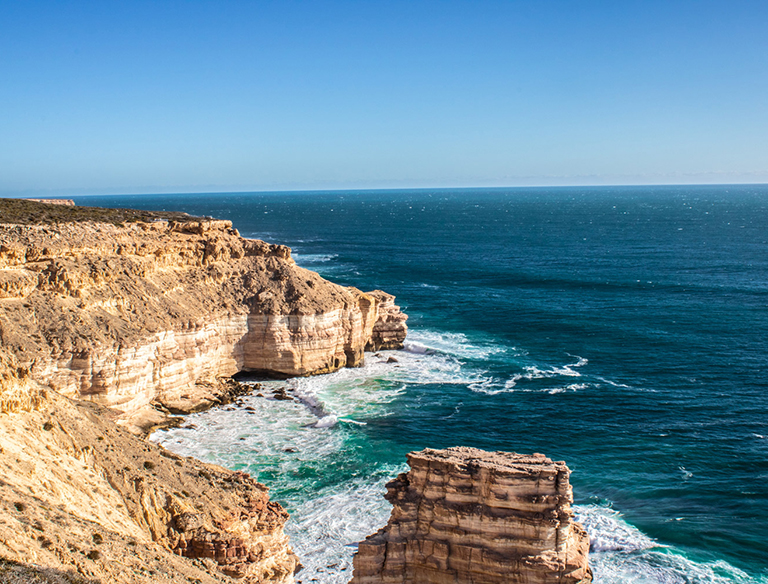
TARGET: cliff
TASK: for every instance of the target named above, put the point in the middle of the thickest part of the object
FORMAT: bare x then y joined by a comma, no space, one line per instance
152,310
466,516
83,500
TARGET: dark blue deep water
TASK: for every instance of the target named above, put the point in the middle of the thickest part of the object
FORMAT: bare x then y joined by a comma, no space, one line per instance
623,330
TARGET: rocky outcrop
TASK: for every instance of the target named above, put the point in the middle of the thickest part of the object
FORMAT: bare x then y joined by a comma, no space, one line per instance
84,500
390,329
466,516
143,313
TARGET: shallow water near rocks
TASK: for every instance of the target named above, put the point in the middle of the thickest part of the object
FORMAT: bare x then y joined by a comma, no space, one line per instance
621,330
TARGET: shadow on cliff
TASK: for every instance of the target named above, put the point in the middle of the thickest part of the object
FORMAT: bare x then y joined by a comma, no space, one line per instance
20,573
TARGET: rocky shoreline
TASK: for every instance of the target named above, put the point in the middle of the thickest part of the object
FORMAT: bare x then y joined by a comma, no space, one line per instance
112,323
116,322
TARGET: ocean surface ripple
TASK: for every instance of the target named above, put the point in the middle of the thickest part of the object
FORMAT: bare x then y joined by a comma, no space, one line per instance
620,329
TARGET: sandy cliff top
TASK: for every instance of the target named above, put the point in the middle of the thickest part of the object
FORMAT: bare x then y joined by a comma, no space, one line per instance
74,285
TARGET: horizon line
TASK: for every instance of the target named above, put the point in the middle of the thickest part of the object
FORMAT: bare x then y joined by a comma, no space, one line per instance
376,189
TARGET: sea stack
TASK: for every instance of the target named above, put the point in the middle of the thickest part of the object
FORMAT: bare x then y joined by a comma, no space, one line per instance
466,516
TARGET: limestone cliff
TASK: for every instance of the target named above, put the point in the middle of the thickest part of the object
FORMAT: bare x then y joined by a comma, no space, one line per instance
153,311
466,516
389,330
82,500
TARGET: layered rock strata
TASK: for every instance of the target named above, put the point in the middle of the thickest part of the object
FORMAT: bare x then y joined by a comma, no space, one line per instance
83,500
133,314
148,314
466,516
389,330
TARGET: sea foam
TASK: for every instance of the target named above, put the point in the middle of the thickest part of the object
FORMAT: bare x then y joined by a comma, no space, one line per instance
621,554
295,445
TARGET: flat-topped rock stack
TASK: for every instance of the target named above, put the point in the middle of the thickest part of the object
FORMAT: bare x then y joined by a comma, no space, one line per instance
466,516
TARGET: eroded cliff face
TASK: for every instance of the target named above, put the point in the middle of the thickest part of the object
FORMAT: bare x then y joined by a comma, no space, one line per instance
83,500
466,516
153,312
389,330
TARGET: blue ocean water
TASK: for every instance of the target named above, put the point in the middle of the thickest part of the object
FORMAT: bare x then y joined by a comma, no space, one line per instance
623,330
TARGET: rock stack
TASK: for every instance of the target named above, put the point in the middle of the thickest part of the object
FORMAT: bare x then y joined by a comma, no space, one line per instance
390,329
466,516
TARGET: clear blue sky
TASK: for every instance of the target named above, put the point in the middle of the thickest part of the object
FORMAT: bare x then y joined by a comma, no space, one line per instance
101,97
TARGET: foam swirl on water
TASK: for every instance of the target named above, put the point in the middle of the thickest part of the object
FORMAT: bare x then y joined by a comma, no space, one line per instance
621,554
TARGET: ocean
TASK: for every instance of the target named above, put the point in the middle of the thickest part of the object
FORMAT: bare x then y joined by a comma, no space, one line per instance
621,329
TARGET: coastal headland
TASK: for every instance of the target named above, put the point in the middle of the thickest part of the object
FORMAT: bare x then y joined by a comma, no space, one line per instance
146,312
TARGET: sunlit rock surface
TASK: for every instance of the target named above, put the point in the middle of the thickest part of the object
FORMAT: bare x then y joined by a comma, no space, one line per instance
83,500
466,516
143,313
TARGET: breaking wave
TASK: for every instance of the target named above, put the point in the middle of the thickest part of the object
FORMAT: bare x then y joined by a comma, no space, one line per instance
298,445
621,554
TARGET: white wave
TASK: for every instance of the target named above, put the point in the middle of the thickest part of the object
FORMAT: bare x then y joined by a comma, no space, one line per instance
310,400
580,361
456,344
417,348
569,387
486,385
325,530
608,531
534,372
326,422
621,554
664,567
577,386
254,439
351,393
313,258
614,383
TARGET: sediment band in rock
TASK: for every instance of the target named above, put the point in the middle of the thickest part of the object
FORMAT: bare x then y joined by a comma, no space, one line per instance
131,314
466,516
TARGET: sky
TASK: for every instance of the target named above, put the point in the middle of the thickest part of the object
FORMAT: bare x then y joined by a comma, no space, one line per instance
194,96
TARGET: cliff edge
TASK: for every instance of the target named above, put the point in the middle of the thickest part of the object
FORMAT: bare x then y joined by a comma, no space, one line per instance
465,516
150,310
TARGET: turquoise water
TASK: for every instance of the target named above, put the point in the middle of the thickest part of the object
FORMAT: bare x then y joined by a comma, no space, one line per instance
623,330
